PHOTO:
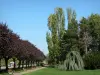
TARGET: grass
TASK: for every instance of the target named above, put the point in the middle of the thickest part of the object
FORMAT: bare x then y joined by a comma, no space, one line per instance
4,74
53,71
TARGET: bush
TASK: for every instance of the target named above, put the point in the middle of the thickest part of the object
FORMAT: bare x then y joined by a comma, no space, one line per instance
42,64
60,66
92,60
73,62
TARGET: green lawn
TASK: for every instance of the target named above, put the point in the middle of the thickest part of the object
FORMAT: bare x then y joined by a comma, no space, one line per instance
4,74
52,71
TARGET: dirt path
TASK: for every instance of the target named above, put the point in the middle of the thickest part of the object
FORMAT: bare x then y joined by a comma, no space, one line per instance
28,71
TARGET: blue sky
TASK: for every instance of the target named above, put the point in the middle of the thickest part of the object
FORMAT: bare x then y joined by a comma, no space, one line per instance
28,18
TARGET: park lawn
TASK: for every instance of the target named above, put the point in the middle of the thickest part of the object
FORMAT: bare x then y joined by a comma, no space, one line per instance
4,74
53,71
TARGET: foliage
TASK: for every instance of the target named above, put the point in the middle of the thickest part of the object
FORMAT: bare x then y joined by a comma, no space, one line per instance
73,61
80,36
42,64
85,39
56,23
60,66
11,46
69,42
92,60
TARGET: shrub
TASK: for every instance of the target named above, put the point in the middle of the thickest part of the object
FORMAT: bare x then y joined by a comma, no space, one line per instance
42,64
92,60
73,62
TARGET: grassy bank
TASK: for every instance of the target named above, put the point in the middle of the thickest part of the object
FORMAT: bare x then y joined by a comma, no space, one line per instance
53,71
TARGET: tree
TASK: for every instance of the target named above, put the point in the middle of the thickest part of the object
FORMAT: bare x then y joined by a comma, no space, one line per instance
72,31
11,46
92,60
61,30
85,37
94,30
70,38
50,46
0,59
74,61
90,33
56,23
5,43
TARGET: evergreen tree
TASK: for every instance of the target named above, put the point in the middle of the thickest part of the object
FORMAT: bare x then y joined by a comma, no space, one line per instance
70,38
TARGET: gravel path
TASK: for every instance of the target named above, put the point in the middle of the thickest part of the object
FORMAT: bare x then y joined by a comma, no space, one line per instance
28,71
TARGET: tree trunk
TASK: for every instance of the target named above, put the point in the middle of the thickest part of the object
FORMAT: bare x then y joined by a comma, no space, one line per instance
31,63
22,63
26,63
6,63
19,64
14,63
0,64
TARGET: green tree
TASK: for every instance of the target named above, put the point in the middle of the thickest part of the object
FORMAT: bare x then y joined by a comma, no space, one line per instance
94,29
90,33
85,37
50,47
56,25
70,38
60,22
71,34
72,30
60,29
52,23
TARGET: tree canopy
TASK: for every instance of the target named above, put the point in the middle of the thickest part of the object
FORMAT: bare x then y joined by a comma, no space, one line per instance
11,46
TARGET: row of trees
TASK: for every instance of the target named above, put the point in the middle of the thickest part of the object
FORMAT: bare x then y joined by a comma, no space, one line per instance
80,36
11,46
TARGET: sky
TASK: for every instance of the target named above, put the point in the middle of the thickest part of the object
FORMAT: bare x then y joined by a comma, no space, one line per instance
29,18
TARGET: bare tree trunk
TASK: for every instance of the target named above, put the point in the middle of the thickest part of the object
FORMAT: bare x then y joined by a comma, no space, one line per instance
26,63
6,63
14,63
0,64
19,64
22,63
31,63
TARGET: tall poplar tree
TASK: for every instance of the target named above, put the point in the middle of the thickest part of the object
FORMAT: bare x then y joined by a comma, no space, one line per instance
56,23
